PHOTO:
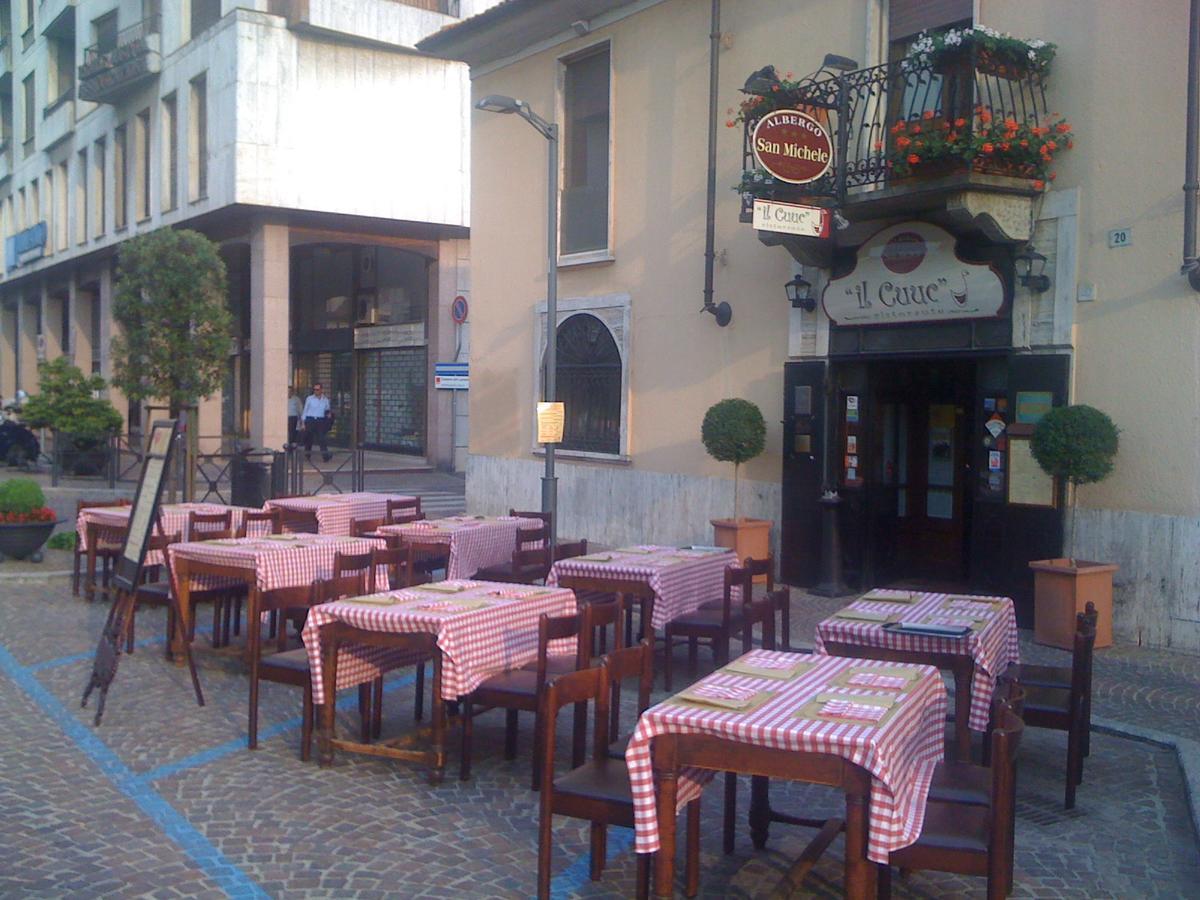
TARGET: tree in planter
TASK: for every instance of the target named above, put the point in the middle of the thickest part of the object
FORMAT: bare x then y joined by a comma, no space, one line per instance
734,431
67,402
170,301
1075,443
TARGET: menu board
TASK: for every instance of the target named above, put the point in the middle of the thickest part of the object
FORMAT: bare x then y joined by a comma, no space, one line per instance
145,503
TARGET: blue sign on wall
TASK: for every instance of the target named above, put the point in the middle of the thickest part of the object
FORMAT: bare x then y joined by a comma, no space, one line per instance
25,246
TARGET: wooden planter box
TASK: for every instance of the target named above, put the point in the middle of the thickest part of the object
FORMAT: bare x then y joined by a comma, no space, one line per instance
1062,588
747,537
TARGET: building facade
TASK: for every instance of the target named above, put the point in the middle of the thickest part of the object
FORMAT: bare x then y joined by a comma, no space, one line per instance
902,336
325,155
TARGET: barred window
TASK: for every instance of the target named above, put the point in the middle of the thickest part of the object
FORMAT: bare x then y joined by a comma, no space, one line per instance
589,384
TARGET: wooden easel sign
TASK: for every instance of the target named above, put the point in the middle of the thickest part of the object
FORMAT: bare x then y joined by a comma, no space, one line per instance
142,519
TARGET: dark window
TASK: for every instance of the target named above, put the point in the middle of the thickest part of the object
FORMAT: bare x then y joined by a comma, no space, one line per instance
62,71
205,14
105,29
585,155
64,323
589,384
28,99
910,17
171,163
94,330
120,186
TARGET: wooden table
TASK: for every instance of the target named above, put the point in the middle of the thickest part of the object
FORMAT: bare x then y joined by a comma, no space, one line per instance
975,660
471,630
474,542
335,513
884,768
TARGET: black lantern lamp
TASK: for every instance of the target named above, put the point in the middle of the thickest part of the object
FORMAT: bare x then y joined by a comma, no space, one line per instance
761,82
1034,277
799,294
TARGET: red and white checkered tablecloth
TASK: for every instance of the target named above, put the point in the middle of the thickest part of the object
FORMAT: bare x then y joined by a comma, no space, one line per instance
475,643
475,541
900,753
336,512
278,562
174,518
681,579
992,647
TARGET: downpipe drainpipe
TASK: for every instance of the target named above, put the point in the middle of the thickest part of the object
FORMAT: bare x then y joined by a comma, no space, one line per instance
1191,184
722,312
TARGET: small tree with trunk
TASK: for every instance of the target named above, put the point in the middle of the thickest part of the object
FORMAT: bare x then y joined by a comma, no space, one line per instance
170,301
734,431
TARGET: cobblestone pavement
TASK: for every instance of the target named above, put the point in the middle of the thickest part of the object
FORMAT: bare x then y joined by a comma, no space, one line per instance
164,800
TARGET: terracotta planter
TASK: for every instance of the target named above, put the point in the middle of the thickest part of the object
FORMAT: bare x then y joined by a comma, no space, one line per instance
747,537
1062,588
19,539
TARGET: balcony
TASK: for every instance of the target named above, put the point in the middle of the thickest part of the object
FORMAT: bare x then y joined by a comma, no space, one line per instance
912,137
58,121
110,74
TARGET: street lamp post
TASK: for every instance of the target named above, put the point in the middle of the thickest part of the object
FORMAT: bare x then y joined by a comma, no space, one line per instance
499,103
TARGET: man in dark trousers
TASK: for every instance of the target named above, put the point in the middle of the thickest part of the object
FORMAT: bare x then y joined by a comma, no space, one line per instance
317,416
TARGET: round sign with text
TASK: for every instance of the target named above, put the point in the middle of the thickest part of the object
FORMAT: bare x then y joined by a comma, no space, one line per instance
792,146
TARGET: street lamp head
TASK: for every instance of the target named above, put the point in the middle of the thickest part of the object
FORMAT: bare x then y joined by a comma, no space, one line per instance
498,103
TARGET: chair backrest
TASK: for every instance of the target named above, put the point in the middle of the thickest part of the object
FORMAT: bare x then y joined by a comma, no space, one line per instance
739,586
1006,738
580,686
554,628
758,567
93,504
161,541
568,549
258,518
401,511
1081,656
623,665
298,521
761,612
598,617
210,526
362,527
395,560
350,574
418,552
531,514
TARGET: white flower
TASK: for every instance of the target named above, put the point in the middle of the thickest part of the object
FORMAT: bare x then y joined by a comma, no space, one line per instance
1032,55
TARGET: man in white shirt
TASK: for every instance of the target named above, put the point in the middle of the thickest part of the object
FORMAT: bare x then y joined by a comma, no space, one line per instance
295,408
318,416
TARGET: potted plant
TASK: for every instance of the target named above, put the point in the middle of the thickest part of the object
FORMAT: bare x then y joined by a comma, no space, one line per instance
734,431
1075,444
68,403
25,520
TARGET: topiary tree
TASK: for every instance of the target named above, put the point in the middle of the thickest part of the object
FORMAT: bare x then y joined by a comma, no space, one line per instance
170,301
734,431
1075,443
21,496
67,402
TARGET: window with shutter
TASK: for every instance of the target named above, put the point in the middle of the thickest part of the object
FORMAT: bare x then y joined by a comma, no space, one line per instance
907,18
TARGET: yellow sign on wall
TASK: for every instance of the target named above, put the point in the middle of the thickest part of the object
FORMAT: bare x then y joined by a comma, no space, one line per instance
550,418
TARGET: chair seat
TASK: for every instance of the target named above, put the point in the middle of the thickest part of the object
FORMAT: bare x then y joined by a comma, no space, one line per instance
961,782
1040,676
717,604
705,618
616,749
555,665
1047,701
292,660
507,573
605,779
516,682
949,827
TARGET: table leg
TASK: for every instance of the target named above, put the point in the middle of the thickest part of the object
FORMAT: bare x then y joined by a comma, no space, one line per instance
90,585
329,707
183,588
438,770
664,860
253,648
760,810
964,674
860,877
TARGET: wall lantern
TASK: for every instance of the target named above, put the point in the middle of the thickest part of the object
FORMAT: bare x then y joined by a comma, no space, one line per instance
1034,277
799,294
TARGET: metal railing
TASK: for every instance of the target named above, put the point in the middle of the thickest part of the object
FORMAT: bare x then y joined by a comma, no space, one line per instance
101,56
860,107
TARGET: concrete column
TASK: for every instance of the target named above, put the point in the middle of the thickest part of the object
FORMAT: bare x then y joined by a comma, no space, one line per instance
269,370
27,379
8,352
81,327
52,323
109,329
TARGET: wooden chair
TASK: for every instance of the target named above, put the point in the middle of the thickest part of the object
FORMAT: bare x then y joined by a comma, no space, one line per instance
569,549
623,667
423,558
401,511
260,521
528,565
713,625
961,781
966,839
107,550
153,593
227,601
1068,709
366,527
394,559
298,521
597,791
761,568
532,514
518,690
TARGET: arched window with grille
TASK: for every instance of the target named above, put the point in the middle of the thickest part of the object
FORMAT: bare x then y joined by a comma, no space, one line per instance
589,385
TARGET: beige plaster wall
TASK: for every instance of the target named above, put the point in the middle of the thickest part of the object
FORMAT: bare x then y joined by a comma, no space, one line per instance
681,362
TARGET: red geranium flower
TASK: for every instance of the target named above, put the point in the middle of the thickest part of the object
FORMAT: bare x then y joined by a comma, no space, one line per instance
913,159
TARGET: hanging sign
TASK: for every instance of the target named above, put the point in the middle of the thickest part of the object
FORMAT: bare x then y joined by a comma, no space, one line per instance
451,376
791,218
910,273
792,146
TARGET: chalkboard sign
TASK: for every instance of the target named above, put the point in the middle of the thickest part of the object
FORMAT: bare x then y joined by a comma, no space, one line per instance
145,504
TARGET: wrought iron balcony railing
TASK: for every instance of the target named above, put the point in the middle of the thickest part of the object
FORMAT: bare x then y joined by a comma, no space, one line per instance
101,56
861,110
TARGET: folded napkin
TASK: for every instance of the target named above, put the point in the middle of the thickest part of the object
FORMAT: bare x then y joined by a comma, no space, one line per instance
930,628
375,600
969,598
765,660
636,551
706,548
722,695
451,605
861,615
512,594
446,587
875,680
767,665
281,537
848,709
951,620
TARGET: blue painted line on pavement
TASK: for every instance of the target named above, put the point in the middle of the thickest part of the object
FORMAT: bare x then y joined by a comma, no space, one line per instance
574,877
207,857
91,654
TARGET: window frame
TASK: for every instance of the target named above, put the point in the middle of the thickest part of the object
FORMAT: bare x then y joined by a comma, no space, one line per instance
606,253
615,312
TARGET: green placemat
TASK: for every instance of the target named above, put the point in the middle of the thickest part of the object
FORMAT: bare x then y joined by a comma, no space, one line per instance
636,551
281,537
375,600
813,708
440,588
451,607
739,667
729,706
595,557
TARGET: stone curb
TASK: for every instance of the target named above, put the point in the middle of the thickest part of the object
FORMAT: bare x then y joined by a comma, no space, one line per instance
1186,751
34,576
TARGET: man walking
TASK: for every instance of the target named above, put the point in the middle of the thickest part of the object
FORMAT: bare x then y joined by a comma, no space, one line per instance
318,416
294,408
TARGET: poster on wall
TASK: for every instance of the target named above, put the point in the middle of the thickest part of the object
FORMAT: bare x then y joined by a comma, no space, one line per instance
1028,483
910,273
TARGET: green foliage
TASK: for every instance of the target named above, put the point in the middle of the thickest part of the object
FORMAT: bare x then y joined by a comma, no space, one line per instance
1075,442
733,431
62,540
20,495
170,302
65,402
